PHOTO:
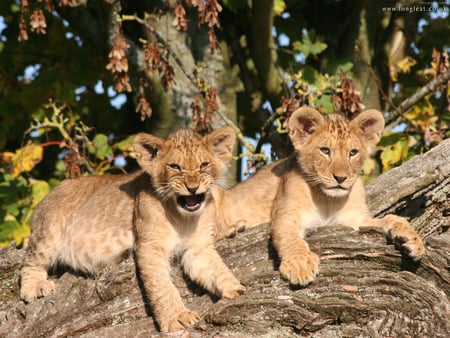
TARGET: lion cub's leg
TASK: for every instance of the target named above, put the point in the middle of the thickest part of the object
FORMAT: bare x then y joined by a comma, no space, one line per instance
34,283
33,277
154,266
293,214
202,263
400,232
299,265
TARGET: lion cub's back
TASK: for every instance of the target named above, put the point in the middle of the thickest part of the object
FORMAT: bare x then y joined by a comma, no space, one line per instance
250,202
87,221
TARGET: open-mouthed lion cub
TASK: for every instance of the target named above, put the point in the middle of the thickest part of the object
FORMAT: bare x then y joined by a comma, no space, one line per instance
89,221
318,185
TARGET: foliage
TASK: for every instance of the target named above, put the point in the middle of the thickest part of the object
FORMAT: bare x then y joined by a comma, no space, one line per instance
20,192
118,67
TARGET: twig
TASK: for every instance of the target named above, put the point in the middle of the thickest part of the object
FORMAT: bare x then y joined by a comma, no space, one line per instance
238,132
180,64
430,87
160,39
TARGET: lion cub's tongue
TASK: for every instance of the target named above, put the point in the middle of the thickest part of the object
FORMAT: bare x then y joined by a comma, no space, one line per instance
191,201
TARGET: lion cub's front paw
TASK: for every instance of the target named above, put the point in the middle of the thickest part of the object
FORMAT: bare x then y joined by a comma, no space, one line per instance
235,228
233,289
36,289
405,237
183,320
300,269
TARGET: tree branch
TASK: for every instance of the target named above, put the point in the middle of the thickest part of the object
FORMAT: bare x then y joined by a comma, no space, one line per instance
429,88
364,288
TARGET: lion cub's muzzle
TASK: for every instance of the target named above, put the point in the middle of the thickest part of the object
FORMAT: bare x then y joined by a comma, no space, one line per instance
339,186
191,202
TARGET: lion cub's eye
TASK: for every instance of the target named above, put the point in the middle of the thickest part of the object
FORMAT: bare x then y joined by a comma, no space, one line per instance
204,165
353,152
174,166
325,150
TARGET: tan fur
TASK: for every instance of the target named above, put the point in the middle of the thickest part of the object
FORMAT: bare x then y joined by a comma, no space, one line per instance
317,186
249,203
87,222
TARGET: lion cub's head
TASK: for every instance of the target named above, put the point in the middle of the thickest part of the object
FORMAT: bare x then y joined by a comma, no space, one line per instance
331,149
184,166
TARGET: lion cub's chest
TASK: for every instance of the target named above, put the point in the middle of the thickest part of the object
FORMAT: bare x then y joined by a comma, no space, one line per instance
321,217
315,209
165,227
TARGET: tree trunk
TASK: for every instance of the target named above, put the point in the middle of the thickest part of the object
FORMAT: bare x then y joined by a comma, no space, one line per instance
364,288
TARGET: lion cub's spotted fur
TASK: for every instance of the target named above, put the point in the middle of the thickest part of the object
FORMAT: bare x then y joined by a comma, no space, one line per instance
89,221
318,185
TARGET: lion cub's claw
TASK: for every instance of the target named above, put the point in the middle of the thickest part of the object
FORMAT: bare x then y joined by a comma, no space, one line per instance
181,321
234,229
415,251
412,246
33,290
234,291
404,237
300,269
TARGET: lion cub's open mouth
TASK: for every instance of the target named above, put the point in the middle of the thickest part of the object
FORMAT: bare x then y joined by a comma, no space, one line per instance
191,202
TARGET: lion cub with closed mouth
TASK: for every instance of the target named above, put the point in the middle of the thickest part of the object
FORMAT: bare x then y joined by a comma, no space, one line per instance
165,210
318,185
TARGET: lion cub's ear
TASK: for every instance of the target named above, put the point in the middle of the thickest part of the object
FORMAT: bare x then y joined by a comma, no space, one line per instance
222,142
302,124
146,147
370,123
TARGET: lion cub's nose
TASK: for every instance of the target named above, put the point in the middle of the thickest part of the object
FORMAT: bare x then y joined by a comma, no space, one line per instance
339,179
192,190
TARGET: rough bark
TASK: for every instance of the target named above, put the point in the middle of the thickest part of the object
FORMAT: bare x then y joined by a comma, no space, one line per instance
365,287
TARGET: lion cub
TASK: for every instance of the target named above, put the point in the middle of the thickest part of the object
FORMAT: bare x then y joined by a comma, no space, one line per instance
89,221
318,185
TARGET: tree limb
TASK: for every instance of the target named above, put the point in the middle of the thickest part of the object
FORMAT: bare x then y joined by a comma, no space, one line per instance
429,88
364,288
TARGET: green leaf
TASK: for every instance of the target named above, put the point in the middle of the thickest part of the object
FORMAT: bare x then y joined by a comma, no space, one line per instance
395,150
324,103
279,6
337,67
126,145
307,47
11,230
101,147
24,159
310,74
39,190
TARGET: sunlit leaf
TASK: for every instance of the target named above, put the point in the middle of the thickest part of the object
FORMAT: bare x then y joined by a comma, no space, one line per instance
11,230
24,159
125,145
395,150
370,170
279,6
39,189
324,103
405,64
424,116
